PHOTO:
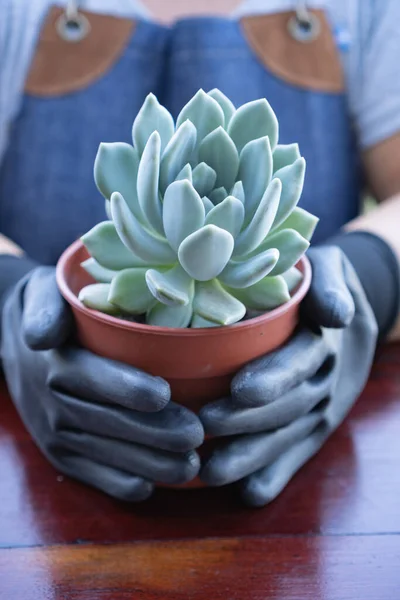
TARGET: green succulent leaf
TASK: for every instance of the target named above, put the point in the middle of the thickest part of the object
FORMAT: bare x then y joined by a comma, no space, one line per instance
183,212
284,155
115,170
204,112
292,277
259,226
152,117
228,215
218,195
219,152
292,178
204,178
170,316
130,293
95,296
213,303
205,253
154,250
147,183
173,287
291,246
177,154
224,102
105,246
208,205
301,221
186,173
246,273
238,191
251,121
255,170
267,294
198,322
99,273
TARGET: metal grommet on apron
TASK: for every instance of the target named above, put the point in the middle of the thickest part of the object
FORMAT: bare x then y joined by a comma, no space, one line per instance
304,26
72,25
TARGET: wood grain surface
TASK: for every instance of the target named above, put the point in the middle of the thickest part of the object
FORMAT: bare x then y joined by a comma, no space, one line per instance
334,533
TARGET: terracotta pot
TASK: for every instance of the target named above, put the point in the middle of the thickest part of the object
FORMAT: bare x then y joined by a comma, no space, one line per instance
197,363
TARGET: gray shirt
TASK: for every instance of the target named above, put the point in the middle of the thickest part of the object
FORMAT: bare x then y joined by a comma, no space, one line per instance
367,33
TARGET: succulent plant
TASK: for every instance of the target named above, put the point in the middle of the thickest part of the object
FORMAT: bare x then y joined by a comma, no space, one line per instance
203,219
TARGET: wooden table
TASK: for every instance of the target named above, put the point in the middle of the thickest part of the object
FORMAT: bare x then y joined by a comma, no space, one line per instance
334,534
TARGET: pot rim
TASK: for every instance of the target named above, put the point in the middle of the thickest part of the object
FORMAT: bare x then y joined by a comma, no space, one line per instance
72,299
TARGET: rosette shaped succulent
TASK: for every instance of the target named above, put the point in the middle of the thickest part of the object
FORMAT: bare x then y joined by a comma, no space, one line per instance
203,223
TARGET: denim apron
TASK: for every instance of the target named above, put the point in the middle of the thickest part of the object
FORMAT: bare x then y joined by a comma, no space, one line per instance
47,194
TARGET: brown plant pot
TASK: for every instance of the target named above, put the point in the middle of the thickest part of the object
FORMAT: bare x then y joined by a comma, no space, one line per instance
198,363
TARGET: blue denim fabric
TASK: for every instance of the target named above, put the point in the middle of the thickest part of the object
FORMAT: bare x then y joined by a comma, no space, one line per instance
48,197
213,52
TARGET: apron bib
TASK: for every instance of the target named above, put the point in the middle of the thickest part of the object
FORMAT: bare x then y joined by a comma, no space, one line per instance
81,93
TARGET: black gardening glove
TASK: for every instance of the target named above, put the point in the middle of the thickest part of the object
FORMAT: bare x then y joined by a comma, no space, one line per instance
286,404
102,422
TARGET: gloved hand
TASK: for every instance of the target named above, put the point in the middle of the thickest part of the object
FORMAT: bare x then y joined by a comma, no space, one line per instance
99,421
286,404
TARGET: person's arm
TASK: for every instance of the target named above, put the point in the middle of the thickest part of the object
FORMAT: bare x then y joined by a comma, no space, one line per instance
384,221
374,102
382,165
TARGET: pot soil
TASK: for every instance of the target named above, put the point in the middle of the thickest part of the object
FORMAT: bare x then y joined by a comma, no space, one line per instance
198,363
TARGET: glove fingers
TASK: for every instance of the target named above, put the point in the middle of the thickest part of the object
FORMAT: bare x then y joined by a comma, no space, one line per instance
268,378
83,374
247,454
329,302
47,319
265,485
221,418
175,428
156,465
114,482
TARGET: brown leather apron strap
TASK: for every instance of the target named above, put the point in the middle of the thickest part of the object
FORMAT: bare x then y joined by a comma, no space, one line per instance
60,66
313,64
